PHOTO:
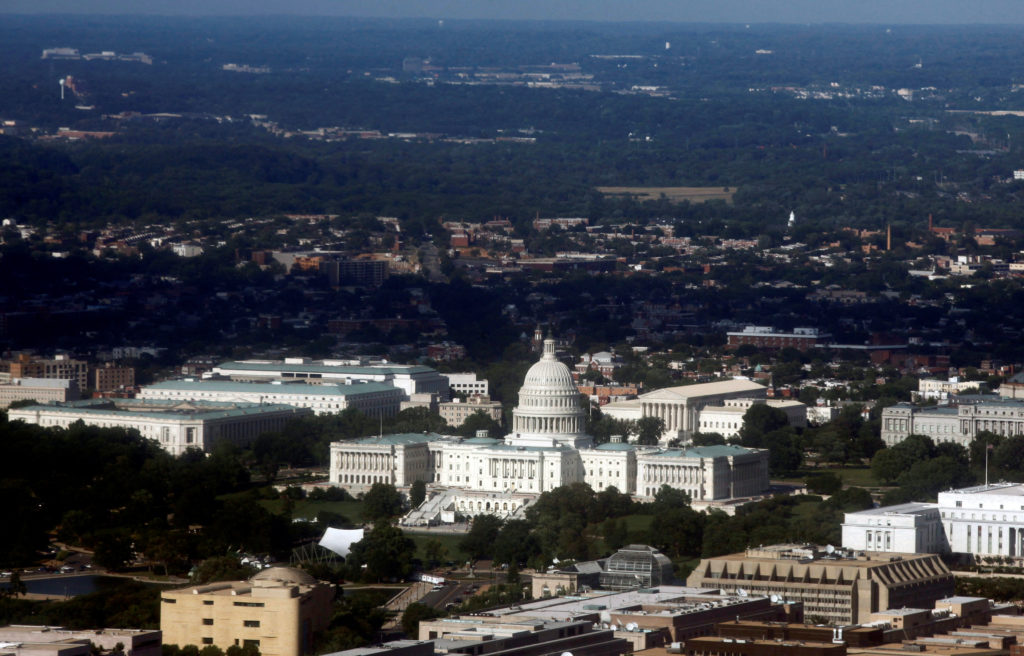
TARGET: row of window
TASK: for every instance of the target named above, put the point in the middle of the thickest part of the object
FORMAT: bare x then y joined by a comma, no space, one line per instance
250,623
246,643
209,602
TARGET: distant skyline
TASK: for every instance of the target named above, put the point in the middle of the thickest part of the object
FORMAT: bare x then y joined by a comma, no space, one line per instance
946,12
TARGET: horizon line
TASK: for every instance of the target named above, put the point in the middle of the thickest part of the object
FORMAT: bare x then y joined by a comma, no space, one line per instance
463,19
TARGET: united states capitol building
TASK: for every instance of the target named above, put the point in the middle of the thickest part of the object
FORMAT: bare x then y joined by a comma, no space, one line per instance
547,448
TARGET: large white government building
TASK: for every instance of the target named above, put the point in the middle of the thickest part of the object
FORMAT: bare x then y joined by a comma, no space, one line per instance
176,426
727,419
680,407
961,419
984,520
40,390
706,473
547,448
372,399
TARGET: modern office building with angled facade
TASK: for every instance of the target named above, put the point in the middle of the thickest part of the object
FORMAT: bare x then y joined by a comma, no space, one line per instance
842,587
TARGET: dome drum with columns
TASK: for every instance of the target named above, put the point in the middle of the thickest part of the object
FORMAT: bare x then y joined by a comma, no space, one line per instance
549,411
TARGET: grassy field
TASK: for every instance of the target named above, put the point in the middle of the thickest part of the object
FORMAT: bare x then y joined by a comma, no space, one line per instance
856,476
638,523
450,541
806,508
674,194
352,510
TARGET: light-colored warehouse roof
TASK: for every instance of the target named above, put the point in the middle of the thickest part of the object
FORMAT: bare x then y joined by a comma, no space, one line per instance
324,368
709,389
155,409
271,388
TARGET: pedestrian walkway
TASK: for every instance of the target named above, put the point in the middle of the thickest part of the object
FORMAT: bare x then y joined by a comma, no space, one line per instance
401,601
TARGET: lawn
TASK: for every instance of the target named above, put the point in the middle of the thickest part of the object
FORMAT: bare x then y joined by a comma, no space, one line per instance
806,508
352,510
856,476
638,523
674,194
450,541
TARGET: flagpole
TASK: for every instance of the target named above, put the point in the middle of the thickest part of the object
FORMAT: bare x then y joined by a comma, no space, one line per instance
986,463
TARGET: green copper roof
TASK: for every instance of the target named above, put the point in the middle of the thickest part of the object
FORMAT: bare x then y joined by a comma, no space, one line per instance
401,439
716,451
615,446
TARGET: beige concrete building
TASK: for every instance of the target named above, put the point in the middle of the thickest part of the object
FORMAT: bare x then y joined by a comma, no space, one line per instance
278,611
1013,387
457,412
33,640
467,383
833,585
934,388
40,390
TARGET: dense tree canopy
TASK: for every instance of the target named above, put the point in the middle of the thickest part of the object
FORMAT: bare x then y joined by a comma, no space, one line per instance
108,488
384,554
382,501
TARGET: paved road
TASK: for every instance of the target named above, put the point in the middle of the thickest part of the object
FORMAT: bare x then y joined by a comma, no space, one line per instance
448,595
432,263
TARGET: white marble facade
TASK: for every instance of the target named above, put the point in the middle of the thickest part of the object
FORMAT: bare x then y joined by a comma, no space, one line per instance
547,448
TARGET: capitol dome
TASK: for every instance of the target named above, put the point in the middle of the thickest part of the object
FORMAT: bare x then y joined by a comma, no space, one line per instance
548,374
549,409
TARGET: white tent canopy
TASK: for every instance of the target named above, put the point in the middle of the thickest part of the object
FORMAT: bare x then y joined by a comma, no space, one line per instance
340,540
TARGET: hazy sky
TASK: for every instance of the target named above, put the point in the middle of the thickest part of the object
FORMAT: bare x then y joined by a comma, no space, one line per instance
997,12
